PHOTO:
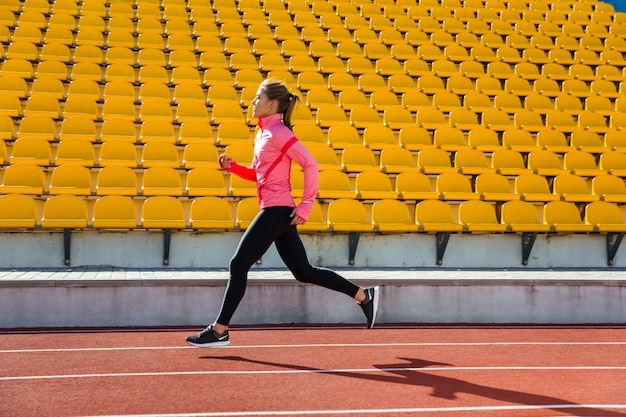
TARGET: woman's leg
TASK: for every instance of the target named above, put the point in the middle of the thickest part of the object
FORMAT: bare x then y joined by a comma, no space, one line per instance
263,230
294,255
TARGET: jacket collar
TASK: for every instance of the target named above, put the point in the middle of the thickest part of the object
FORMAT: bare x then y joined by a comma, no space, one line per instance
272,119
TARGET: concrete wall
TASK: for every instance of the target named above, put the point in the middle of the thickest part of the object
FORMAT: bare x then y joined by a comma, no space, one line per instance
144,249
275,297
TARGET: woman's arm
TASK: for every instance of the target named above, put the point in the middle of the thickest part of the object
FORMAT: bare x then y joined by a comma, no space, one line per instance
228,164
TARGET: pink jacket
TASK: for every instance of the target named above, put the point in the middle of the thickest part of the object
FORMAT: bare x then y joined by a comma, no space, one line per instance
275,146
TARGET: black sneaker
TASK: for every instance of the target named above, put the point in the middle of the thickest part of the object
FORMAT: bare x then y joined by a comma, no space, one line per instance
370,305
209,338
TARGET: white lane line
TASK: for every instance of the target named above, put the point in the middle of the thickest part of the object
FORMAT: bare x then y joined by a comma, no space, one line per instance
319,345
480,409
318,371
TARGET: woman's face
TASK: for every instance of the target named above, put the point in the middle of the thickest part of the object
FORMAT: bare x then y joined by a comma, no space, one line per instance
263,106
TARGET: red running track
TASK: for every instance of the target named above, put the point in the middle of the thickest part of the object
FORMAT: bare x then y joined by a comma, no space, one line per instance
323,371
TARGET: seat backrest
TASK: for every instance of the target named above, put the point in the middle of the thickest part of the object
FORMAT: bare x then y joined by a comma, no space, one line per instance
531,183
67,211
556,212
476,211
519,212
163,212
608,184
17,210
599,212
372,181
449,181
569,184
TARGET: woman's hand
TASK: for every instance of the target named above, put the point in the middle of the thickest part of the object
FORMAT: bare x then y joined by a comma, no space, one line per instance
225,161
296,219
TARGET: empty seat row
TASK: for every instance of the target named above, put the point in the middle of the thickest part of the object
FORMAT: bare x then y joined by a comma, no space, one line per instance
342,215
367,185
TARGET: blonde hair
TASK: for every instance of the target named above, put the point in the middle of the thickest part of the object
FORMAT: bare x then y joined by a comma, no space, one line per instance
277,90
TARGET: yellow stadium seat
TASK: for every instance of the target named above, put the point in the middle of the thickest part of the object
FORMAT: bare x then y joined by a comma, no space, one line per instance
43,106
184,92
11,106
160,154
81,108
22,50
562,216
347,215
119,108
374,185
435,216
363,117
378,137
20,68
241,152
162,212
349,99
7,131
384,100
191,110
483,139
414,138
211,213
116,180
613,162
318,97
392,216
342,136
533,187
162,181
479,216
399,118
230,132
412,185
247,209
118,130
604,217
157,130
118,153
200,154
335,184
581,163
463,119
615,140
395,159
609,188
588,141
114,212
74,152
205,181
70,179
431,119
23,178
330,115
225,111
593,122
240,187
494,187
449,139
553,141
18,211
572,188
155,109
455,186
435,161
545,163
471,162
64,211
152,73
32,151
325,156
149,91
521,216
358,159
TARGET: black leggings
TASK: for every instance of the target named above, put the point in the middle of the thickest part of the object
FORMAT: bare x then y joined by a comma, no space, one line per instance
273,225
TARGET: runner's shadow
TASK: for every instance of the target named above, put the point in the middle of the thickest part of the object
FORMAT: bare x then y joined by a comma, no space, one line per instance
409,372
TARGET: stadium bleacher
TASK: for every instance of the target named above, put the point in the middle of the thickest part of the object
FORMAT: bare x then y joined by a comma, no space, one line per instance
135,99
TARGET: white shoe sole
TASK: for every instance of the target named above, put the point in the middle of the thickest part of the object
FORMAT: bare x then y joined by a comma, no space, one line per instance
375,301
210,345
